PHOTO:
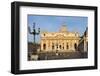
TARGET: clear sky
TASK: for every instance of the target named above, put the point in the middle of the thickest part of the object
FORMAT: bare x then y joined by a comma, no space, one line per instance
53,24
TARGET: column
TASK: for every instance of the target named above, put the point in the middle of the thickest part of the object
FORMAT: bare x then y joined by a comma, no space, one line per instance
73,45
64,45
41,44
55,45
71,48
50,45
47,45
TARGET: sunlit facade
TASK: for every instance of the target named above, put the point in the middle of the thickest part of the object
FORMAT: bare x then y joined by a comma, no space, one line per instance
61,41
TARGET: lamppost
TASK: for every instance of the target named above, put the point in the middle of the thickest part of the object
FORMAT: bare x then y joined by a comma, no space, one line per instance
34,33
33,53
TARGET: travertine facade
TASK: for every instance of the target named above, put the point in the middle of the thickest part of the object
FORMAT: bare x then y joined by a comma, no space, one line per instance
61,41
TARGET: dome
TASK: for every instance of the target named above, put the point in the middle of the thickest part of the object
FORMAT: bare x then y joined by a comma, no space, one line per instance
63,28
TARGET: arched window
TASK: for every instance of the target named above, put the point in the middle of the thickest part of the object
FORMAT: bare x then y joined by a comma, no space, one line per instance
67,46
52,46
60,46
44,46
57,45
63,47
75,46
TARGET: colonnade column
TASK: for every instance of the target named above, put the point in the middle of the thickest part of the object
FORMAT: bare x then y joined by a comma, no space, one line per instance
85,46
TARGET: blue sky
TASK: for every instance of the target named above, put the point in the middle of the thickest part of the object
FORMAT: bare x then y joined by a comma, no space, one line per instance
53,24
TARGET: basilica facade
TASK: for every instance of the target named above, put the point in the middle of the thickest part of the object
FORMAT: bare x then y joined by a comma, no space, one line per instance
61,41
